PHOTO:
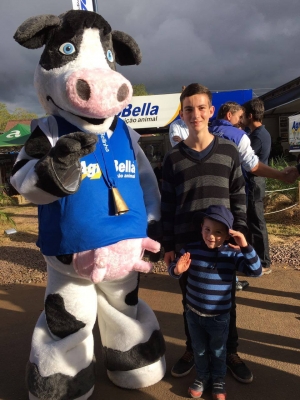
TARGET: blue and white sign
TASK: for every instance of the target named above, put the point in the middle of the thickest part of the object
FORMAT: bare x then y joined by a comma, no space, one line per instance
160,110
294,133
85,5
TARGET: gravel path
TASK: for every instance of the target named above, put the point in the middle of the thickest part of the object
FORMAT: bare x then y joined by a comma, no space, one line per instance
21,262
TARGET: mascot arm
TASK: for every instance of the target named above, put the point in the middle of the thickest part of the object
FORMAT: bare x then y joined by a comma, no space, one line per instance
24,180
48,168
59,172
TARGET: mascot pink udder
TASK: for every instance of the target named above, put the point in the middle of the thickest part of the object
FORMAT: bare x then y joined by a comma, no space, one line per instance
114,261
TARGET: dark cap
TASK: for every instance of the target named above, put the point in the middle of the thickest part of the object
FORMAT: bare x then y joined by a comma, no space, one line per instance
217,213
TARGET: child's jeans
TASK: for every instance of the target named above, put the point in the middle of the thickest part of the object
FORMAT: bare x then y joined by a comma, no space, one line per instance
209,336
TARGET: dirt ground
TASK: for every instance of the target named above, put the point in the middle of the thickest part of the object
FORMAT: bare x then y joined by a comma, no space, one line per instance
268,322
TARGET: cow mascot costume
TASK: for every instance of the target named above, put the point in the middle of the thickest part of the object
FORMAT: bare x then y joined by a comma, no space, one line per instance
98,206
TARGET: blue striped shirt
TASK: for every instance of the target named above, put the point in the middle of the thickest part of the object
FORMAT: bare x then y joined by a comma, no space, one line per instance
211,272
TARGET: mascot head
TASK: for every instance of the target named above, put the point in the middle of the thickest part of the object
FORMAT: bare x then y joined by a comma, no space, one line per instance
76,76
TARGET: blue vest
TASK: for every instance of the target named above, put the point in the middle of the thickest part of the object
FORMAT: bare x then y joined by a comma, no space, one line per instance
86,220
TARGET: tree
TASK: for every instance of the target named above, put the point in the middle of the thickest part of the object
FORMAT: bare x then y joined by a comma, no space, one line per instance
4,116
140,90
17,114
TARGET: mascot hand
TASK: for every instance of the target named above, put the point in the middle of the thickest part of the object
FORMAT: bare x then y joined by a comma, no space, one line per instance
155,232
70,148
59,172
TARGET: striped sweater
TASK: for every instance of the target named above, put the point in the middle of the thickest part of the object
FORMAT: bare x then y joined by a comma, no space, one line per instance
210,275
191,185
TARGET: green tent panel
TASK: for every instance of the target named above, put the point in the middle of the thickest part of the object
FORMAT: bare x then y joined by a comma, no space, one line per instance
16,136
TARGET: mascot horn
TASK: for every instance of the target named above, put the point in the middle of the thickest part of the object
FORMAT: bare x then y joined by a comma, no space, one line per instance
98,205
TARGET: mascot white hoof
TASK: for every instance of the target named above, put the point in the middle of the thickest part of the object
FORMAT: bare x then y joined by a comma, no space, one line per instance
141,377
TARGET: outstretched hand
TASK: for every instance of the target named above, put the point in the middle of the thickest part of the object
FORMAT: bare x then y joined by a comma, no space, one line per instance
183,264
291,174
239,239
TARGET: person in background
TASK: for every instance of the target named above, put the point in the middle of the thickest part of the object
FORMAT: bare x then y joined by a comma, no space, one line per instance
178,131
210,261
229,119
260,140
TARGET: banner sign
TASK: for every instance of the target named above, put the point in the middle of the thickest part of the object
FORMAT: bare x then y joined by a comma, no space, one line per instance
151,111
294,133
86,5
159,111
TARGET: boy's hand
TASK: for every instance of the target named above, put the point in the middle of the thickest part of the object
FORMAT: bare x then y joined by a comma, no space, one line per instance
183,264
169,257
239,239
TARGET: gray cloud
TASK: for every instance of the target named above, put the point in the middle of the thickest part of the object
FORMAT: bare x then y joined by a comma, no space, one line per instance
224,44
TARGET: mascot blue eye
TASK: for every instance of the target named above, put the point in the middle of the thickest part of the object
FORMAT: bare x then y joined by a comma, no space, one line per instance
110,56
67,49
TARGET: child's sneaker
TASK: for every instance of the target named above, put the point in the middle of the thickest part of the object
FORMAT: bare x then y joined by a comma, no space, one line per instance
218,390
197,388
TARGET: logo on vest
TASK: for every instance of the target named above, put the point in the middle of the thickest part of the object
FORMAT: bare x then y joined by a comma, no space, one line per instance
125,169
93,171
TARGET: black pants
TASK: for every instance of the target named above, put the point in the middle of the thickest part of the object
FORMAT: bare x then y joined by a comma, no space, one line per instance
232,341
258,234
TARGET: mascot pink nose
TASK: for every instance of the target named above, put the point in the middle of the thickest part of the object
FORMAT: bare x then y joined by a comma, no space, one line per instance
98,93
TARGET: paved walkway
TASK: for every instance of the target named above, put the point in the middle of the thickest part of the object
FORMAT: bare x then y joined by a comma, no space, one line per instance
269,330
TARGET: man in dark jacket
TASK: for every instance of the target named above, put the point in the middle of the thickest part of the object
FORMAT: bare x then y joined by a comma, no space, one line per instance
260,140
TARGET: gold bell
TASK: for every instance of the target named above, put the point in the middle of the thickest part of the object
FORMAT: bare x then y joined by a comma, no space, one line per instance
120,205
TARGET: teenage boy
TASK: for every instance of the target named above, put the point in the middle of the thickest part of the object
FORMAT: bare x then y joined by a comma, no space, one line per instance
211,265
200,171
260,140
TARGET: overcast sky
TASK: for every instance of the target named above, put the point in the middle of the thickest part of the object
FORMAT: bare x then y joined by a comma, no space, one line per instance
223,44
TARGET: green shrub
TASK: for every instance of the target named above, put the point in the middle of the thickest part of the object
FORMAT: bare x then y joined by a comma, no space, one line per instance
5,201
273,184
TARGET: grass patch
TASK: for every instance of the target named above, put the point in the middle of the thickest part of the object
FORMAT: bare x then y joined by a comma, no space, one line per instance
283,230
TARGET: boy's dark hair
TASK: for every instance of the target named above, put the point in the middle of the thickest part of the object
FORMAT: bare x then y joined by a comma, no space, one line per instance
195,88
256,108
229,106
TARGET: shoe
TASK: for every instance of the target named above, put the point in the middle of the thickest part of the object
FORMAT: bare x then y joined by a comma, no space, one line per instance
184,365
218,390
197,388
238,368
240,285
266,271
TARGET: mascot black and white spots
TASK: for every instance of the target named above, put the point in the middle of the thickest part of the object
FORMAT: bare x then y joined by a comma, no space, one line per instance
98,206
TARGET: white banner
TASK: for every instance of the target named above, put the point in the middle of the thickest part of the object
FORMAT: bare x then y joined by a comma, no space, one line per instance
151,111
86,5
294,133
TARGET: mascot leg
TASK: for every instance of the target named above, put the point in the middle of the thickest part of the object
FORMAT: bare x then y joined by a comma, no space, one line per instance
133,344
61,365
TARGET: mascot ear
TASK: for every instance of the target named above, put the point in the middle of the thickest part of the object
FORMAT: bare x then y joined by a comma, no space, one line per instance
34,32
126,49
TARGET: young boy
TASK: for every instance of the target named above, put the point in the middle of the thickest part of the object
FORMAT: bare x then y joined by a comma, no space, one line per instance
200,171
211,265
